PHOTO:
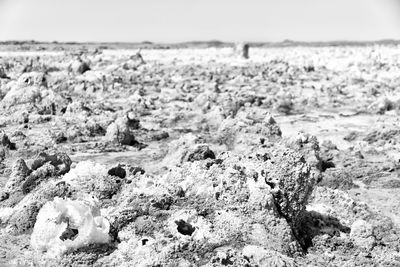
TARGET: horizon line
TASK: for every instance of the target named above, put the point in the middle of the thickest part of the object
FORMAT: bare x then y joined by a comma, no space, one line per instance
33,41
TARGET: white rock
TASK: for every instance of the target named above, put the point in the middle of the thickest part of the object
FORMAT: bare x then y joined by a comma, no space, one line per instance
264,257
362,234
83,172
56,217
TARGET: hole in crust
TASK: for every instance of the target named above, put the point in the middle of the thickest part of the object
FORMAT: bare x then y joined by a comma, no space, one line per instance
69,234
185,228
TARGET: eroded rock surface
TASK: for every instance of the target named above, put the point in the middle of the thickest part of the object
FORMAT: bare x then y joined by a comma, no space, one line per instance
196,157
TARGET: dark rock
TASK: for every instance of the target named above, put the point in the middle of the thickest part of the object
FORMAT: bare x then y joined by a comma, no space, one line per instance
198,152
117,171
59,160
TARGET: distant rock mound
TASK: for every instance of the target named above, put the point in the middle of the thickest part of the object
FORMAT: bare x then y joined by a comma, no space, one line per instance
242,50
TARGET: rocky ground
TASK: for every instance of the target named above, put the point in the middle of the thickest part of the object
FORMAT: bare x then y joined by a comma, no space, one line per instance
197,157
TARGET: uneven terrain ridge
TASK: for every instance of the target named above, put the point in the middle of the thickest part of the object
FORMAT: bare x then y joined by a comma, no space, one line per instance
198,157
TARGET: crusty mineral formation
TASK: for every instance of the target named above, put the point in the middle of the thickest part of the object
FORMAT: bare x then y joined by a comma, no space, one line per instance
62,225
199,157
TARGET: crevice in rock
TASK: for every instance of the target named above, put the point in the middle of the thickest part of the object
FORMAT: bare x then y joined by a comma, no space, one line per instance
69,234
326,164
312,223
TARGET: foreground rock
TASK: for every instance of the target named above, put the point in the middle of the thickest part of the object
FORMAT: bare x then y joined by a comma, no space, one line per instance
28,189
62,225
246,205
209,210
261,208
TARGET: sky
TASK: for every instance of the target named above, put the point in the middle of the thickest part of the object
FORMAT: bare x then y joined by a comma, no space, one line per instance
202,20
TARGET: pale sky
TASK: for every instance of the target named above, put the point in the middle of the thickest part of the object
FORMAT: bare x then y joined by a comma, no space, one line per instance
188,20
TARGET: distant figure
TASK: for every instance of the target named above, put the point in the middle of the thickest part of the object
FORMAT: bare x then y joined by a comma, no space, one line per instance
242,50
